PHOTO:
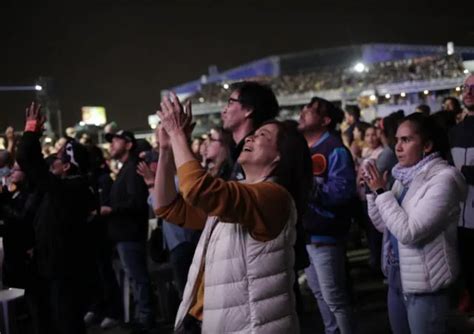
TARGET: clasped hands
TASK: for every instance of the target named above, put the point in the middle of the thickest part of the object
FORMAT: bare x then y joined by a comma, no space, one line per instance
373,178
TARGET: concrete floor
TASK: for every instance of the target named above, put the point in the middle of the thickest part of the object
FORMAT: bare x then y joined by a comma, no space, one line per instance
369,298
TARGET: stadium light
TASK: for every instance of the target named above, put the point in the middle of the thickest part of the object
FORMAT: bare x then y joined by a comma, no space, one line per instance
466,71
201,99
20,88
387,96
458,89
359,67
426,92
403,94
226,86
372,97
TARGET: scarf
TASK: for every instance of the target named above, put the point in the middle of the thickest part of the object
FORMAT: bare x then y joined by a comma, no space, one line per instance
406,174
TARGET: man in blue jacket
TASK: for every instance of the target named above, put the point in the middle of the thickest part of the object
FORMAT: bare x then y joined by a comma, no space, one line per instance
327,219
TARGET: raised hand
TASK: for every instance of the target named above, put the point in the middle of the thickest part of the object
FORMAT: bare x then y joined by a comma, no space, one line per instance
188,111
162,138
174,118
34,118
146,173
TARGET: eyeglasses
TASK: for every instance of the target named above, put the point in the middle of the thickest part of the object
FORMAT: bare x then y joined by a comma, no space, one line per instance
231,100
214,139
468,89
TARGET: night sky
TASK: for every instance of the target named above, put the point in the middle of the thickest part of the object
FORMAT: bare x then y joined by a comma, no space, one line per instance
120,54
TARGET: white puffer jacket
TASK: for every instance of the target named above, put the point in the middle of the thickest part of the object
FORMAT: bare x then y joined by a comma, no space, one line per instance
248,284
425,226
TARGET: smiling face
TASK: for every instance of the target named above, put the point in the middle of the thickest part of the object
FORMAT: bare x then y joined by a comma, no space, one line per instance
410,147
260,150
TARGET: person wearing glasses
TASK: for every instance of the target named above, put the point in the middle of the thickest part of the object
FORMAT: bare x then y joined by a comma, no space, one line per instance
241,279
462,151
218,153
249,105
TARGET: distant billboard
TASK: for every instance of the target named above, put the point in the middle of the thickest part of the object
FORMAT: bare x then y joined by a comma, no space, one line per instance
94,115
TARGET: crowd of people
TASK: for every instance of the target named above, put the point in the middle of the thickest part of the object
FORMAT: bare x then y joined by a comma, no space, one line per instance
397,71
244,211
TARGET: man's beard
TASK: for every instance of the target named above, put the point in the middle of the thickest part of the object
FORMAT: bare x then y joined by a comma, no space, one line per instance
118,154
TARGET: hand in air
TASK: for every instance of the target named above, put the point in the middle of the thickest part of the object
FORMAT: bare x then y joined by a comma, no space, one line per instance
175,119
34,118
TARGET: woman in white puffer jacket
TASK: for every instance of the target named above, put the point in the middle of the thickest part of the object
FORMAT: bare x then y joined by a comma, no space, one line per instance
418,218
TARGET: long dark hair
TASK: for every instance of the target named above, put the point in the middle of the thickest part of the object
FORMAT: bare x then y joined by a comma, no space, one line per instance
294,169
223,168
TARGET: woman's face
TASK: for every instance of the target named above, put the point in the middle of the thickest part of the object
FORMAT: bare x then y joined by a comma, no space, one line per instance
357,134
17,176
410,147
203,148
195,146
215,147
371,138
260,150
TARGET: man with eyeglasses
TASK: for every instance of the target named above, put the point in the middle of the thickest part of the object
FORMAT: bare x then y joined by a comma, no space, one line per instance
250,104
462,150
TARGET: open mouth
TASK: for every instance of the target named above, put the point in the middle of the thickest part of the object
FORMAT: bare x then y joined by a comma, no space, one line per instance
247,149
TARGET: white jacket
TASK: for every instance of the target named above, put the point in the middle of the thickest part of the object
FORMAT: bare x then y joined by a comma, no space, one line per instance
248,284
425,226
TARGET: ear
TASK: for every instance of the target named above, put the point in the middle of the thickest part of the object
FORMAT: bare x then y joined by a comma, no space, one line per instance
66,167
129,146
248,112
326,121
428,147
276,160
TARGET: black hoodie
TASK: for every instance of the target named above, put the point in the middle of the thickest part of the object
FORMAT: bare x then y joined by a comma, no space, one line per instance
61,221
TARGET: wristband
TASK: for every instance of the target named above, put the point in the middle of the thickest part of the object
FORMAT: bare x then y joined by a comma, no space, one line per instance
31,125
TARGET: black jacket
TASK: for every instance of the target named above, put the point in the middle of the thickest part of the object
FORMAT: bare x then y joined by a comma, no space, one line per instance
61,221
461,139
128,199
17,211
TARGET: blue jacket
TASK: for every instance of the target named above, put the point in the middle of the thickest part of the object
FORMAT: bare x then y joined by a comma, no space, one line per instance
334,190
